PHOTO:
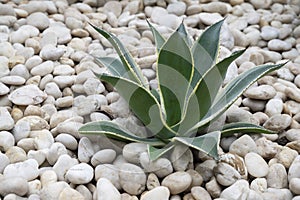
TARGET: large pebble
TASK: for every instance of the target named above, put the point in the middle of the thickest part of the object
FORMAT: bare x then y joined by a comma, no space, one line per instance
199,193
132,179
262,92
279,45
273,107
269,33
243,145
132,151
103,156
38,20
239,190
278,122
62,165
177,182
80,174
7,140
4,161
160,192
53,190
70,193
67,140
252,160
181,157
14,185
110,172
259,185
55,151
293,170
50,52
27,170
160,167
6,121
106,190
3,89
266,148
277,176
85,150
294,185
61,31
177,8
27,95
225,174
152,181
286,156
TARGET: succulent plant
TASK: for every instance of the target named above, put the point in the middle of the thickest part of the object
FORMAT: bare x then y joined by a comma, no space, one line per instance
190,95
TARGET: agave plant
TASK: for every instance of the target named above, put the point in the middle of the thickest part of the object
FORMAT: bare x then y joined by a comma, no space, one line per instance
189,96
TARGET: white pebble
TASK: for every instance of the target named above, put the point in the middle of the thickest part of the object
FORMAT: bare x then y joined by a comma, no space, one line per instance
252,160
80,174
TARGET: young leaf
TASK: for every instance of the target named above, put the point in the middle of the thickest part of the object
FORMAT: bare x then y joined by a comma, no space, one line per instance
112,130
207,143
143,104
159,39
232,91
205,51
242,127
134,72
155,153
205,92
174,73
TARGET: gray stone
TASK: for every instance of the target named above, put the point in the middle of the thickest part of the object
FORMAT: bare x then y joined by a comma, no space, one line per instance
132,179
225,174
81,173
278,122
243,145
262,92
200,193
177,182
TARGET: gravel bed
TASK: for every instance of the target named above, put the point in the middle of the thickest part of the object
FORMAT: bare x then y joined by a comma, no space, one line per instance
48,90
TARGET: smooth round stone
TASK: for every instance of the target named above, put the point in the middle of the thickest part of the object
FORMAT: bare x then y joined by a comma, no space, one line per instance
239,189
152,181
60,116
181,157
294,185
243,145
286,156
132,151
43,139
213,188
80,174
27,95
53,190
38,20
285,74
106,190
3,89
4,161
252,160
278,122
43,68
62,165
200,193
293,134
259,185
55,151
62,32
114,7
7,140
70,193
274,107
277,176
103,156
13,80
63,70
6,121
132,179
225,174
93,86
177,182
269,33
70,127
85,150
279,45
110,172
14,185
209,18
53,90
16,154
160,192
177,8
39,156
36,122
64,102
160,167
50,52
67,140
254,105
262,92
27,170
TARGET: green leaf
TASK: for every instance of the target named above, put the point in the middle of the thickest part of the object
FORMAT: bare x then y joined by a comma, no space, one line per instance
242,127
159,39
112,130
205,92
184,34
155,153
143,104
232,91
134,72
114,65
205,51
174,73
207,143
